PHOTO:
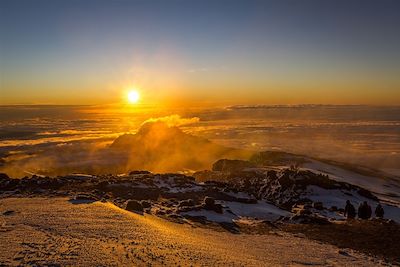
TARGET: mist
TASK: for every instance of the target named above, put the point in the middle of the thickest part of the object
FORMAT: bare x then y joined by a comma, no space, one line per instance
43,141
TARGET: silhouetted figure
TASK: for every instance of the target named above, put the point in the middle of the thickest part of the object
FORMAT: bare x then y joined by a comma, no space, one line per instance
379,212
349,210
364,211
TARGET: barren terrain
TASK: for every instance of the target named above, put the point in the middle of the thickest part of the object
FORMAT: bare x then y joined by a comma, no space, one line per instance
54,231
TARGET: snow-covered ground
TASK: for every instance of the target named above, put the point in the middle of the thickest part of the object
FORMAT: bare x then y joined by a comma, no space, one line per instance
234,211
53,231
386,188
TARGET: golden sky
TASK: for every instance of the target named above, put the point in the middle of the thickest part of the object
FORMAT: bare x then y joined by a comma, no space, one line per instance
199,52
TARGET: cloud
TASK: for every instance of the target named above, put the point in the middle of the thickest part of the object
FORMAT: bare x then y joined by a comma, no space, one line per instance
174,120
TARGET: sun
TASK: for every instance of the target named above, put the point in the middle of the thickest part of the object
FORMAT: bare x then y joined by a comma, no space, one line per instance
133,96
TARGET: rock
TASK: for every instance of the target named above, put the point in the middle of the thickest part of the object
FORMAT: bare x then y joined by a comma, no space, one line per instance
145,204
8,212
3,176
134,205
344,253
365,193
209,201
174,216
159,212
209,204
333,208
186,203
304,212
218,208
318,206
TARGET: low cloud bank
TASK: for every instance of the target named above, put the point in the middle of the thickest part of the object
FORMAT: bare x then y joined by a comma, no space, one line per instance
173,120
159,146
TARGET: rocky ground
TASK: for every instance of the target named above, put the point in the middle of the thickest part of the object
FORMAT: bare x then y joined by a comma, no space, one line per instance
234,197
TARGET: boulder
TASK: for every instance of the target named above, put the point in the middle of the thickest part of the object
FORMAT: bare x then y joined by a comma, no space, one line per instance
209,201
318,206
209,204
134,205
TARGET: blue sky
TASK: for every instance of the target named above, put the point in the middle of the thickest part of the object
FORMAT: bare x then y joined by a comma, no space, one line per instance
249,51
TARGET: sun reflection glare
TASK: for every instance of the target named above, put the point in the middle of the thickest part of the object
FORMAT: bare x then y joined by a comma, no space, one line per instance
133,96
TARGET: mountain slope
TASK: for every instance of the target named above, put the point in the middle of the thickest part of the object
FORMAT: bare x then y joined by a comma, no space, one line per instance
61,233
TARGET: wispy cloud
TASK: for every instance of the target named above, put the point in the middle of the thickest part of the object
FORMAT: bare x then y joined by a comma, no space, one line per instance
174,120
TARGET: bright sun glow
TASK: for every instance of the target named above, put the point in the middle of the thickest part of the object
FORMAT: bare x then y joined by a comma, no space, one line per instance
133,96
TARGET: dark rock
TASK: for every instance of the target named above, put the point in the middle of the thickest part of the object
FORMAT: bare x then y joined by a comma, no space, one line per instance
134,205
209,204
174,216
8,212
333,208
304,212
218,208
3,176
209,201
318,206
231,227
365,193
145,204
186,203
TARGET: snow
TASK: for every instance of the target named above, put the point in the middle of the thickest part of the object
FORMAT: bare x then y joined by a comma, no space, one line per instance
212,215
172,187
385,187
338,198
239,195
261,210
333,197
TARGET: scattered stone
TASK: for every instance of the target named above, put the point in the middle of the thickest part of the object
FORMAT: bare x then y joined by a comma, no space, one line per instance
186,203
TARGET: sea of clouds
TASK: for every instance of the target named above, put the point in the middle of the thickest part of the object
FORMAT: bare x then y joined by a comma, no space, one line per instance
40,138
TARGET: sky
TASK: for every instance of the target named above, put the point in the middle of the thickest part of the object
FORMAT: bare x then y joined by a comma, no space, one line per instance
181,52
